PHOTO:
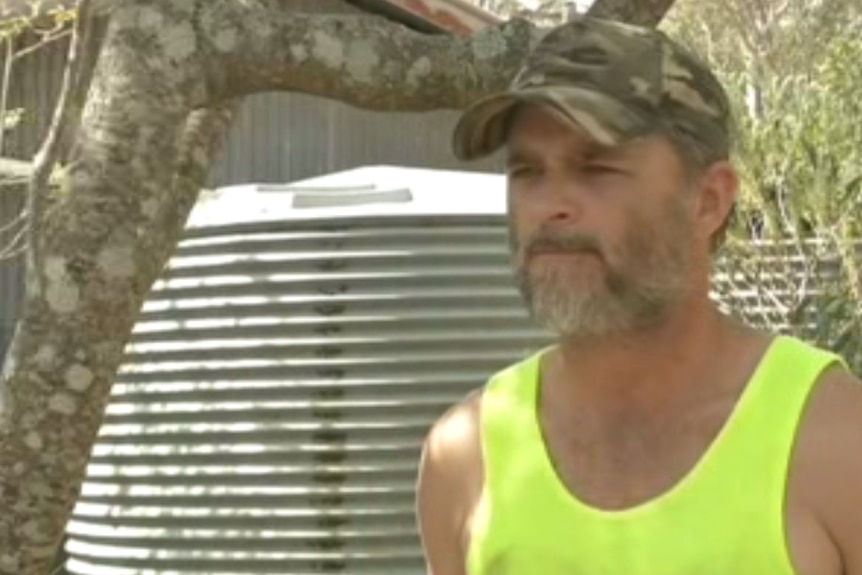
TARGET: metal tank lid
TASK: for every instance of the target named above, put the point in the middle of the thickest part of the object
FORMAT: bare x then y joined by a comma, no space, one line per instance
372,191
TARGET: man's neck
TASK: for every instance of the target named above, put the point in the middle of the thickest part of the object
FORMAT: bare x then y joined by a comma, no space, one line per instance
642,370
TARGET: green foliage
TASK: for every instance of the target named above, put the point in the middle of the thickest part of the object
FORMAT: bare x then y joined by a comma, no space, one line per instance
42,26
792,262
800,158
9,119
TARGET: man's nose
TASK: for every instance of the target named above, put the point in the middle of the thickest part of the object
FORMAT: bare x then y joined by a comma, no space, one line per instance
563,199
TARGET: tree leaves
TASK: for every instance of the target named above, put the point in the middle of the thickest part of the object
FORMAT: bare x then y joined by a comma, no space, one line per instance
792,71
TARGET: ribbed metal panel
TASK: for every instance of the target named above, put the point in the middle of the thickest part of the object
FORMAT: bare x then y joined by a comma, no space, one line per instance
278,387
280,137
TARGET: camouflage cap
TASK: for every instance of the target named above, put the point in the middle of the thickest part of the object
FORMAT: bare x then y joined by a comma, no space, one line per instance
615,81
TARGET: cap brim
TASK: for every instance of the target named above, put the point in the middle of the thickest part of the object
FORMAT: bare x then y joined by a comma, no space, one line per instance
483,127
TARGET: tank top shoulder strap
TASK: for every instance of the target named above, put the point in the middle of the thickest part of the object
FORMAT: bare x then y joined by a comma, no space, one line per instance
508,413
781,388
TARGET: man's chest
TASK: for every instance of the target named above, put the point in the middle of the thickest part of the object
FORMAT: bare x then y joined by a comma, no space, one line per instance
641,462
624,460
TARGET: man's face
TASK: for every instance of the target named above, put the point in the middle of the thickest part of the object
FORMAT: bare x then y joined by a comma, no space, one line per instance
601,238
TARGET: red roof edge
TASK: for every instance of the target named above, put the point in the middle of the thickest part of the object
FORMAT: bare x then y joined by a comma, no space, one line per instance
454,16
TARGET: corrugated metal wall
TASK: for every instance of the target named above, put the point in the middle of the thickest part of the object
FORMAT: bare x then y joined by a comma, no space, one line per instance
278,387
277,137
285,137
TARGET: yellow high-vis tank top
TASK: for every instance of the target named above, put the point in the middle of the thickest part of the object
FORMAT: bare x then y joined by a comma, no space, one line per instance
724,517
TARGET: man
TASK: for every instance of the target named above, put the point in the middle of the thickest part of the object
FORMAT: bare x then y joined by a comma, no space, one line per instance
656,436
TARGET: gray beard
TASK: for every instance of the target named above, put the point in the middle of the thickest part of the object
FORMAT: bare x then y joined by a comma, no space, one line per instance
615,305
624,299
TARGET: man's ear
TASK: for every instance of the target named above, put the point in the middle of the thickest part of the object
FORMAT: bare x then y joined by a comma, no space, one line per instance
718,190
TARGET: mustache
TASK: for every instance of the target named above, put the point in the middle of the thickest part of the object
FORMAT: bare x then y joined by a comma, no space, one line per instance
557,242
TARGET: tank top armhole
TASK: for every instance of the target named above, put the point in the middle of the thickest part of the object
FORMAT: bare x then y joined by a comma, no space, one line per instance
504,398
812,363
502,393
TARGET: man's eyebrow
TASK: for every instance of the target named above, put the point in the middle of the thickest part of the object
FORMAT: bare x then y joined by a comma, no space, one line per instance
518,157
595,151
601,151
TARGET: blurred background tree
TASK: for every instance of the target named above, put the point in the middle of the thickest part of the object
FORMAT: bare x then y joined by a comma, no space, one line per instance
793,71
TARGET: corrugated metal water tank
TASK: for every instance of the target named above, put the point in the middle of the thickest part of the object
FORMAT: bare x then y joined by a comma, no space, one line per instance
279,383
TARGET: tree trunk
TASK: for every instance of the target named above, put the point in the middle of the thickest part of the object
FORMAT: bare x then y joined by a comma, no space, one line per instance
157,112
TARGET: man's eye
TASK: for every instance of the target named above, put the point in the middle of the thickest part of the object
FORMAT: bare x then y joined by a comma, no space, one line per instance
601,169
522,171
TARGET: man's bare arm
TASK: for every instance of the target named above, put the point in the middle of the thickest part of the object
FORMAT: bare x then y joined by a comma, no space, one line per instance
435,511
836,441
448,487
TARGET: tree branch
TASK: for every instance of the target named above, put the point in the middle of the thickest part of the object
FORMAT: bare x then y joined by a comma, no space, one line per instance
14,222
17,246
5,81
202,138
364,61
42,44
66,117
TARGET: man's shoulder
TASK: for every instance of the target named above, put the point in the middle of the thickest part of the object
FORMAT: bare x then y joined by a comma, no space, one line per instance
829,459
831,430
461,422
835,408
464,415
449,483
455,433
451,469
